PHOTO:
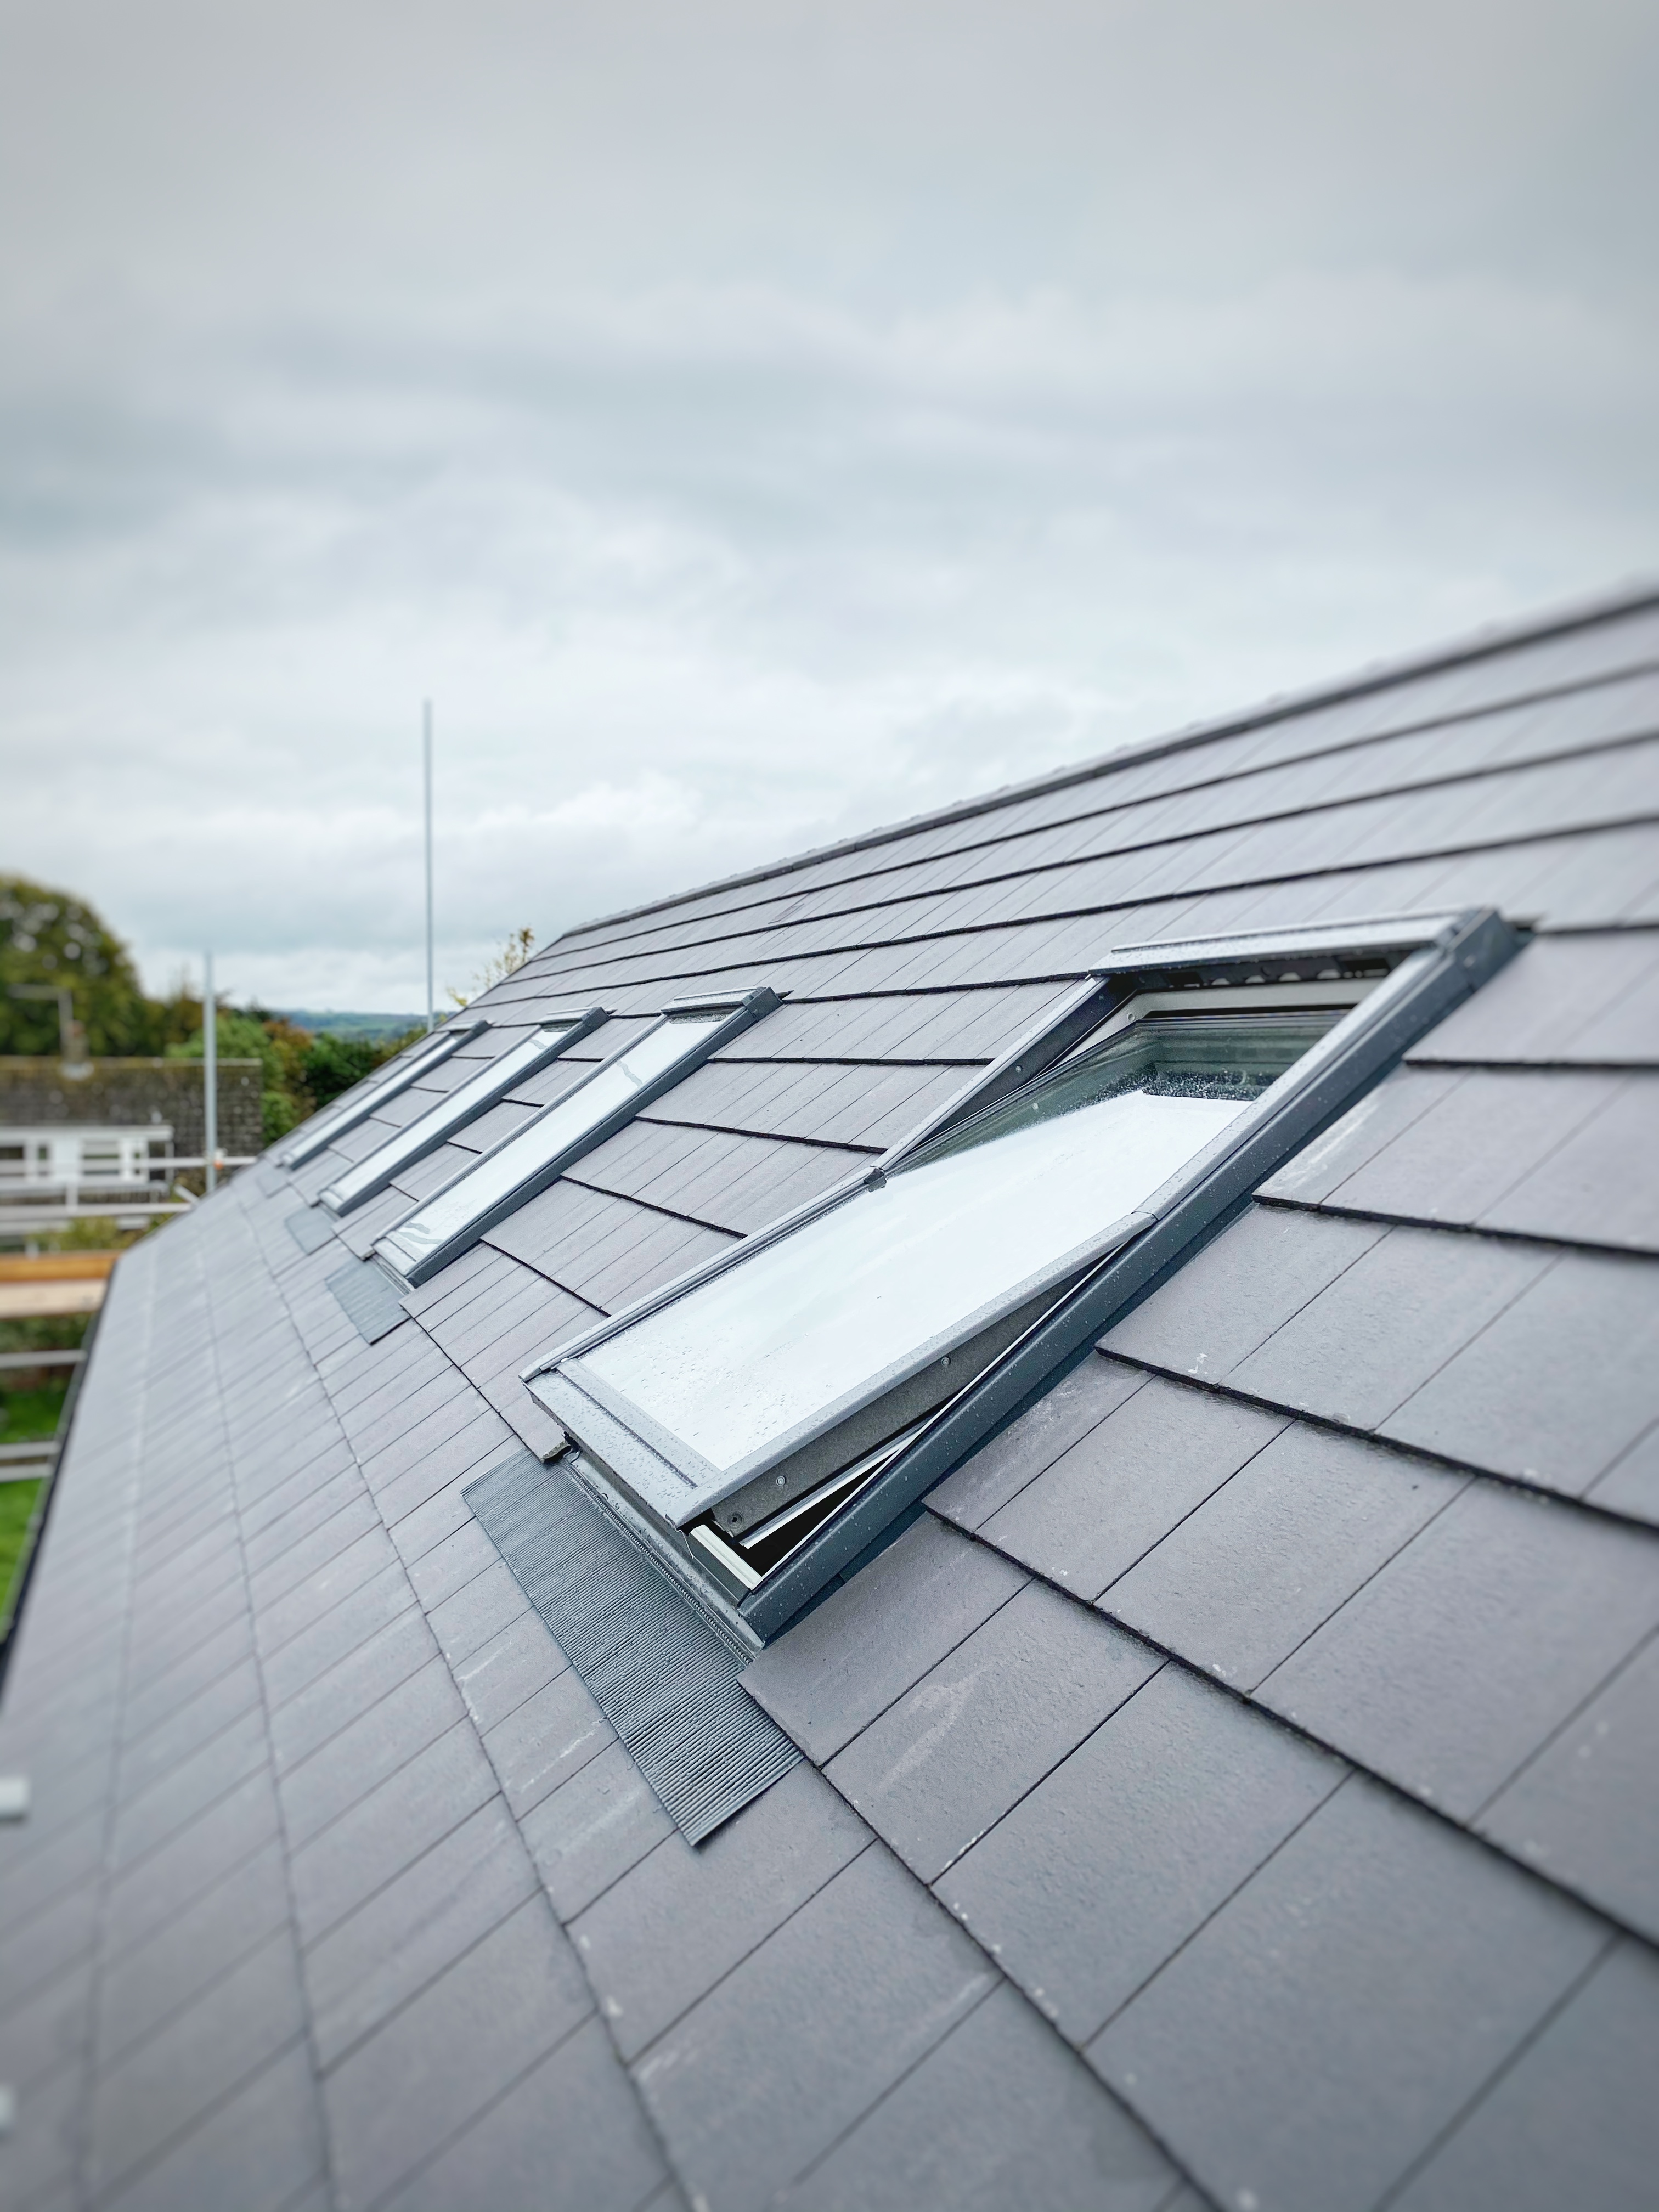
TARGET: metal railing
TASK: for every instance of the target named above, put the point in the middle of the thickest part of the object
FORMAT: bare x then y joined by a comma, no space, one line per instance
28,1205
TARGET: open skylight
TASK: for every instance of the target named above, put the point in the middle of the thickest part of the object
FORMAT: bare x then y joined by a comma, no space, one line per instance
369,1176
365,1098
502,1180
744,1419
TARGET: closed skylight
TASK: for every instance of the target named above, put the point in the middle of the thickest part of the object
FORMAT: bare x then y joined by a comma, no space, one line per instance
452,1220
322,1130
369,1176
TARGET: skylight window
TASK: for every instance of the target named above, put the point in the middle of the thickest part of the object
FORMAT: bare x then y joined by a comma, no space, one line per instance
366,1098
368,1177
759,1421
502,1179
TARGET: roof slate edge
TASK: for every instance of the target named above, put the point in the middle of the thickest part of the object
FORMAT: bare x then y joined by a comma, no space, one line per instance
1483,644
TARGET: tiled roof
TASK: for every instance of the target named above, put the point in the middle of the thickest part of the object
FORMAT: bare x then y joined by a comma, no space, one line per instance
1238,1787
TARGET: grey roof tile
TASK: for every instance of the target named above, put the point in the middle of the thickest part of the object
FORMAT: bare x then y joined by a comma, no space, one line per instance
397,1943
998,2114
53,1941
175,2075
876,1636
189,1728
1096,1878
175,1799
587,1832
670,1929
47,2030
337,1632
544,1741
37,2159
158,1888
1272,1553
1547,1002
1019,1453
1230,1297
1585,1192
1385,1965
439,2062
497,1678
371,1743
279,1620
1128,1483
1574,2120
149,1982
751,2086
936,1770
1396,1105
1584,1810
1360,1348
478,1611
569,2135
1557,1388
1474,1644
1631,1484
388,1829
259,2150
1473,1144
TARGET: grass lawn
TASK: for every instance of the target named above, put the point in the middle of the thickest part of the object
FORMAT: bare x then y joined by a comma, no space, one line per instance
16,1504
27,1416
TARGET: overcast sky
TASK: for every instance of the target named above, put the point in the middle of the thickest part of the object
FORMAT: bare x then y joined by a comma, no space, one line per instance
752,423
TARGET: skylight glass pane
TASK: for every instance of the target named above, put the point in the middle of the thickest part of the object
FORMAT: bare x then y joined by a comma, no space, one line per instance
463,1104
515,1163
1022,1198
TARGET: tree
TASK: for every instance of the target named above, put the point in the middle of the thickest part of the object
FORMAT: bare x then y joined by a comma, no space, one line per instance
520,944
50,938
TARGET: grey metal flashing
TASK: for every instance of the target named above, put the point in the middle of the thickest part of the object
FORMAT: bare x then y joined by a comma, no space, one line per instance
745,1011
1471,954
373,1301
310,1229
663,1677
319,1133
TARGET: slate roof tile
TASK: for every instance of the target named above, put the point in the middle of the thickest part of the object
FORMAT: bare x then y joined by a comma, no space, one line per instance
1122,1487
1571,2122
671,1929
376,1742
593,1828
1540,1006
1559,1386
569,2134
397,1943
1020,1452
1387,1965
936,1770
871,1639
436,2065
750,2086
997,2114
173,2078
1090,1883
260,2149
1584,1809
1456,1660
1275,1550
1362,1347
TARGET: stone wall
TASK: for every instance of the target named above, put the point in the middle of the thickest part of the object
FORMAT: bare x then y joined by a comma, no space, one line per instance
35,1093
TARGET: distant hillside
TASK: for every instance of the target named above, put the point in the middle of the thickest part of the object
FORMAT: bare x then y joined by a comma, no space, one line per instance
361,1029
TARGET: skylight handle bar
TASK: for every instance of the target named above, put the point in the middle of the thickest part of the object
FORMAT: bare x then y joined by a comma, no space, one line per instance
1467,954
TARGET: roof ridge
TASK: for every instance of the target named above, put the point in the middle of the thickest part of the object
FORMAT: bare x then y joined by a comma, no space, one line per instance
1484,643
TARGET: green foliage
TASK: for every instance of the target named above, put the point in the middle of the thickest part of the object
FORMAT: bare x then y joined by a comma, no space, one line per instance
50,938
333,1064
281,1051
520,944
16,1526
27,1417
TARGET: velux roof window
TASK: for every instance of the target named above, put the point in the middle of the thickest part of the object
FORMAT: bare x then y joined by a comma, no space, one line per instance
366,1098
368,1177
760,1421
502,1180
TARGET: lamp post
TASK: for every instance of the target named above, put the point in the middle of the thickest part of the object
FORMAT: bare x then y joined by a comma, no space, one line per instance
425,766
